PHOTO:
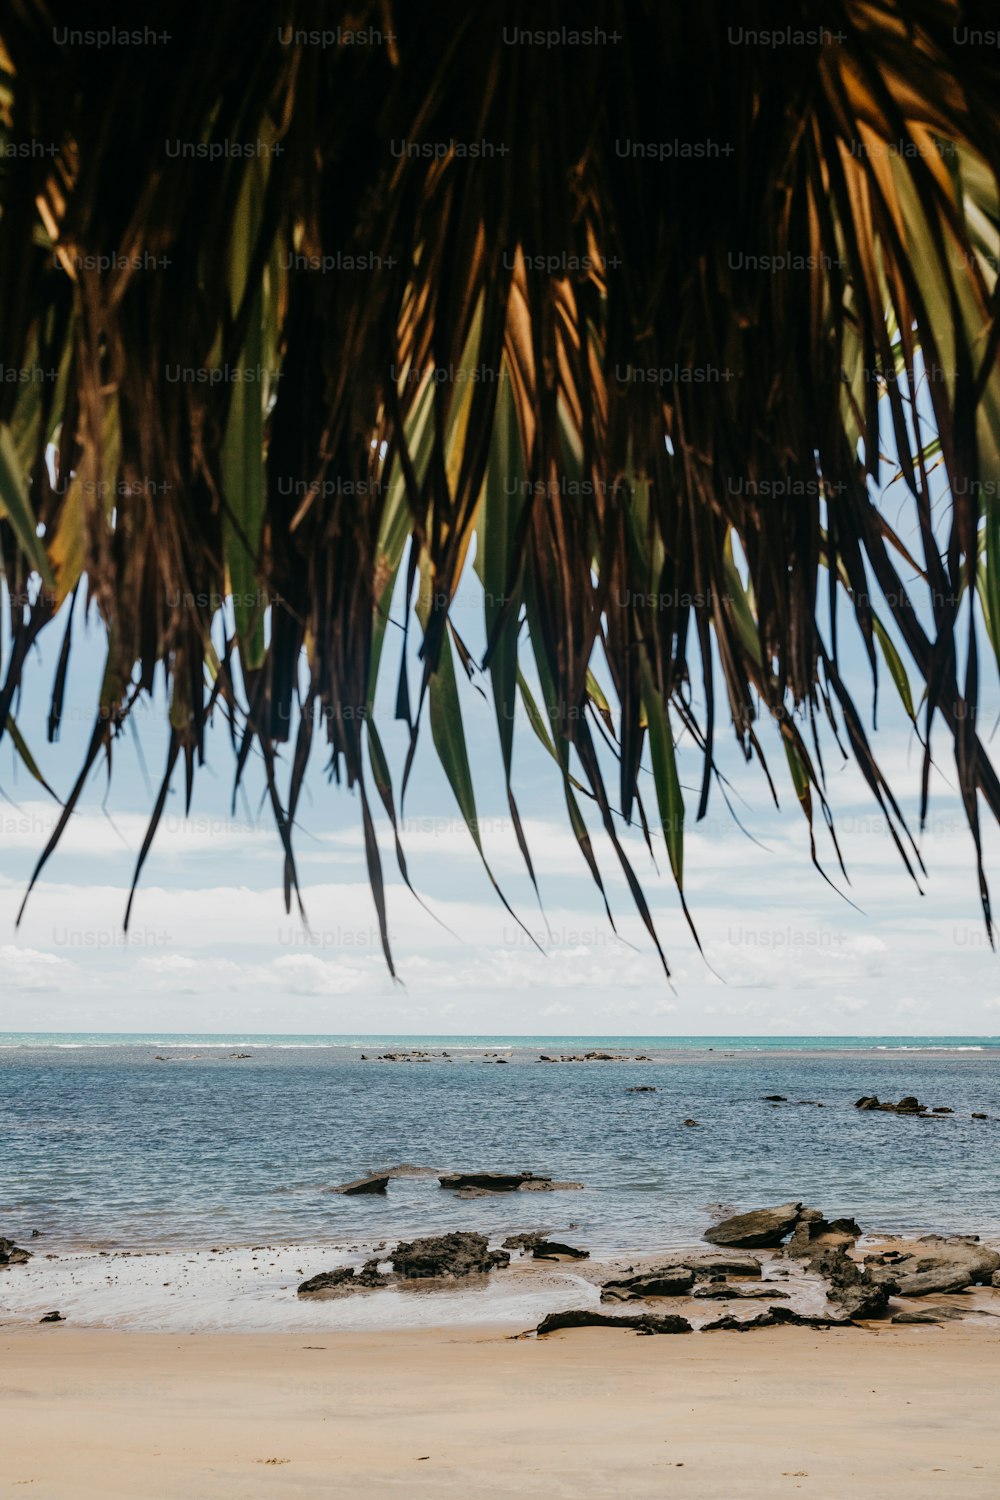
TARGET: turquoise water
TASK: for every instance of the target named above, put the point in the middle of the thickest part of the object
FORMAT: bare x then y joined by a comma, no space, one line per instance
559,1043
102,1143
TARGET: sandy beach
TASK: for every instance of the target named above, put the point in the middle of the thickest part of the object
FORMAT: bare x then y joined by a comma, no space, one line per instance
592,1413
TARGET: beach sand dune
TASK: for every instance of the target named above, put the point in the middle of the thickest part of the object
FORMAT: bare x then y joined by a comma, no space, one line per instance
593,1413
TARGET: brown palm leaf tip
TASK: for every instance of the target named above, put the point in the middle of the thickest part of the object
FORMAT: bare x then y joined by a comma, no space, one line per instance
679,278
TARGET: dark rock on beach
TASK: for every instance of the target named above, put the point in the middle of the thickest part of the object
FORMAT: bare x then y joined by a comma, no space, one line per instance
11,1254
773,1318
708,1264
935,1266
553,1249
852,1287
457,1254
813,1236
761,1229
936,1313
583,1317
52,1317
526,1240
724,1291
328,1281
664,1281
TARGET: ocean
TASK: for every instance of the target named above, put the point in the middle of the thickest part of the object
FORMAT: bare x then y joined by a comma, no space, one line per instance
104,1145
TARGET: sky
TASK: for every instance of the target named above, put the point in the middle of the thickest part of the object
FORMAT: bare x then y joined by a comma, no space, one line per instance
211,948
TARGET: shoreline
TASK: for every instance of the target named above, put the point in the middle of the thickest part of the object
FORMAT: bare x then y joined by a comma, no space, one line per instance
596,1413
252,1289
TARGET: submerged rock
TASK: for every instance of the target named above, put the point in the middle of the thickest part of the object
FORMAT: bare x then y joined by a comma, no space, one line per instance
457,1254
760,1229
490,1182
641,1088
584,1317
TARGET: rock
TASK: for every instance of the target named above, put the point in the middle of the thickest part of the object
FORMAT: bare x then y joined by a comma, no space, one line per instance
723,1291
977,1116
950,1266
526,1241
491,1182
909,1105
456,1254
641,1088
813,1236
942,1109
327,1281
664,1281
761,1228
995,1279
937,1313
775,1099
11,1254
771,1319
585,1318
406,1169
722,1263
552,1249
690,1122
851,1287
543,1185
363,1185
52,1317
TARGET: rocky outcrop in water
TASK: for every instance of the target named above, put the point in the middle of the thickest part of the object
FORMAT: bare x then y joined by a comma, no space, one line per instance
910,1105
763,1228
363,1185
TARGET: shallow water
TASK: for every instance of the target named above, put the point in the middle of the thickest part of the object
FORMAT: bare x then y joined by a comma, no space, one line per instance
101,1144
